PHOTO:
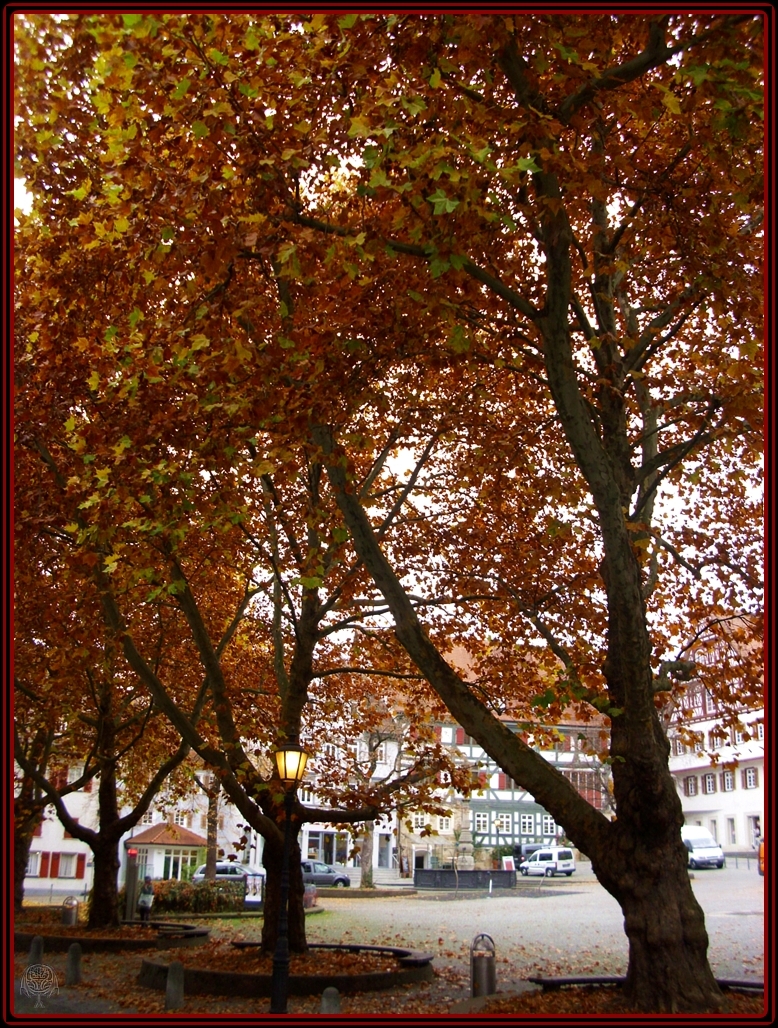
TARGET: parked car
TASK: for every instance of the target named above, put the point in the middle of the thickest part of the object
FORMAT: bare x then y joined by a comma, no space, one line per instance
549,861
703,849
230,871
322,874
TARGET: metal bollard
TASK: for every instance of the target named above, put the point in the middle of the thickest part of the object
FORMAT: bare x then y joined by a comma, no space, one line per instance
70,910
483,966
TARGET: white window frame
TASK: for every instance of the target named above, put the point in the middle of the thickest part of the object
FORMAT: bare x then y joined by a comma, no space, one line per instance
482,821
751,778
709,783
33,864
690,785
728,782
549,825
419,821
444,824
527,824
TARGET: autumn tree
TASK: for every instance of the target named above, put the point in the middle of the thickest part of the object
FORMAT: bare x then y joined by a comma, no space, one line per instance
517,257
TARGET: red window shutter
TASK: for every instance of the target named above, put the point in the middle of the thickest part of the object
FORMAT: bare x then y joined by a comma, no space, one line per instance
54,869
44,867
38,830
502,781
437,732
460,736
80,865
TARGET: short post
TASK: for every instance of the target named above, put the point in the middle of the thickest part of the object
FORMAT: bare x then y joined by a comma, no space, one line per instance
73,965
174,989
483,966
330,1000
36,951
70,911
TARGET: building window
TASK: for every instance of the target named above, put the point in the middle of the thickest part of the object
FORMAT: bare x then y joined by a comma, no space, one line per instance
447,734
714,829
148,818
444,824
760,731
67,865
750,778
179,818
527,824
502,823
481,821
176,860
690,786
708,783
549,828
34,864
731,831
419,821
728,781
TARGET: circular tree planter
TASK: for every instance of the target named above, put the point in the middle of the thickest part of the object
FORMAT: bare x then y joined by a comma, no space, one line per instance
412,966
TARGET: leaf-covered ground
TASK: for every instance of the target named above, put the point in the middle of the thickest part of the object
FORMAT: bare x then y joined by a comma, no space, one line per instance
113,978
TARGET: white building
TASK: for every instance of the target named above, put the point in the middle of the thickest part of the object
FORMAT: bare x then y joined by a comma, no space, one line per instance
720,779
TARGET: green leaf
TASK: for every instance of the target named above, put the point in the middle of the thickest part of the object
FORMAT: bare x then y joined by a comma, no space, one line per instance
218,57
527,164
200,130
347,21
309,582
458,341
441,203
136,315
131,20
438,267
181,89
94,381
360,127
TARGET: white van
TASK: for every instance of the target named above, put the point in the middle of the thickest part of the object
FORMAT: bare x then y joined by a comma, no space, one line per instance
703,849
549,861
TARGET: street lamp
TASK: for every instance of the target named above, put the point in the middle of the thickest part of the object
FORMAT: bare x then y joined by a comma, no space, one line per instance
290,761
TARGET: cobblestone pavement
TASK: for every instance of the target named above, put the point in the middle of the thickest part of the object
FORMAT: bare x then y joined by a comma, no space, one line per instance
554,926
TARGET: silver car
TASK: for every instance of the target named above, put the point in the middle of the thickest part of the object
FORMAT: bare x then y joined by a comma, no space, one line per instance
230,871
316,873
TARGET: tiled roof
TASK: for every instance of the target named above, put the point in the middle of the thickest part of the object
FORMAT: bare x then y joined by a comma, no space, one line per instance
166,834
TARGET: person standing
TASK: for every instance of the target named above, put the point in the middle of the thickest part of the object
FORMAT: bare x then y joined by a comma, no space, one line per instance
146,899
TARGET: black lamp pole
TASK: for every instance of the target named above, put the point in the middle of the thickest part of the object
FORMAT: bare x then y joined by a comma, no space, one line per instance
291,760
280,981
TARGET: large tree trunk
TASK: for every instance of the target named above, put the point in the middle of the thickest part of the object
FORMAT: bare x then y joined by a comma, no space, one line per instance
22,842
104,908
366,855
272,858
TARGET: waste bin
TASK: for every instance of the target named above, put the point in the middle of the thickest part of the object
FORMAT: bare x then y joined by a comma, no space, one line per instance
70,910
483,966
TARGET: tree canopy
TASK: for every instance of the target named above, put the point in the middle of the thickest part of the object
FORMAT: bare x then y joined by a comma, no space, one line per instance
452,318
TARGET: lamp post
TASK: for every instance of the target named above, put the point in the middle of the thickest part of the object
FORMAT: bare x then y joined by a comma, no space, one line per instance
290,761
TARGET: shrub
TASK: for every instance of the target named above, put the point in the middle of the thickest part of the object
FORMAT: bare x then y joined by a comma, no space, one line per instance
179,897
